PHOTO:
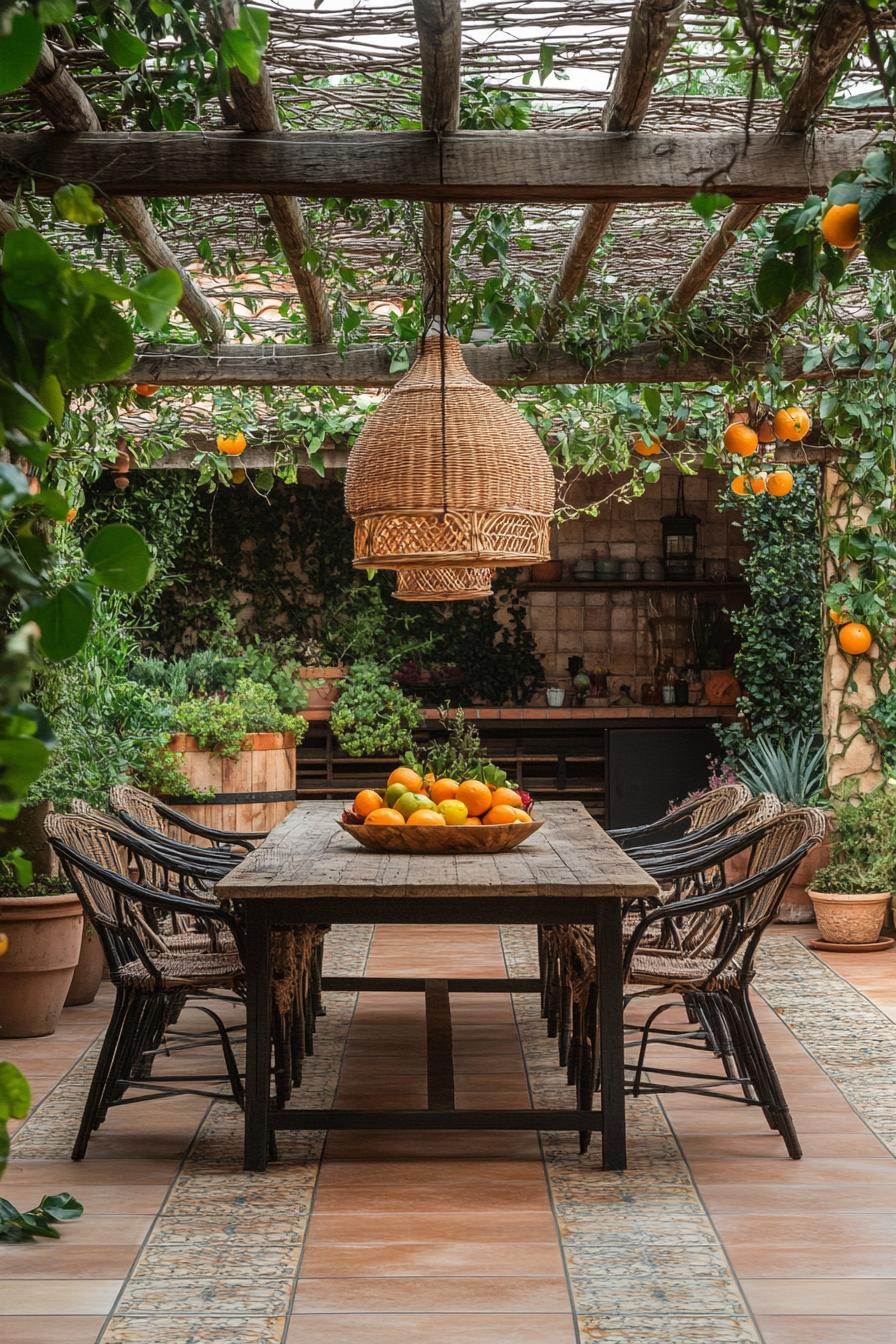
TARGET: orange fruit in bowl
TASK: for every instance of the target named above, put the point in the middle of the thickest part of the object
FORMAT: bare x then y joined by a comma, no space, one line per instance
740,439
522,815
502,815
428,780
475,796
473,821
508,796
384,816
440,789
404,775
425,816
367,801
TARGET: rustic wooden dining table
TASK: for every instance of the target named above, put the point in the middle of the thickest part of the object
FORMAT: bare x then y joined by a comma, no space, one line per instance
309,871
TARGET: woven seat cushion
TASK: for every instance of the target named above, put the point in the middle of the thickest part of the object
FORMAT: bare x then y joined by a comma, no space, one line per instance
196,969
665,966
197,940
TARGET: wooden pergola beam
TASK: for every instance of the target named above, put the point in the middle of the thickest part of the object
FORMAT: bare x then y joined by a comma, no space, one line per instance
840,25
439,30
516,166
256,110
654,24
67,107
498,364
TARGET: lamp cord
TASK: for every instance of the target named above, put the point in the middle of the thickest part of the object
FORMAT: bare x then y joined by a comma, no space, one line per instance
443,310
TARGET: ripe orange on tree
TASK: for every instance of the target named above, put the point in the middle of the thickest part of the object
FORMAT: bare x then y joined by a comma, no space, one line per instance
367,801
758,484
441,789
425,816
403,774
766,431
231,445
855,638
779,482
840,225
384,816
741,485
840,618
644,449
792,423
146,389
740,439
71,515
502,815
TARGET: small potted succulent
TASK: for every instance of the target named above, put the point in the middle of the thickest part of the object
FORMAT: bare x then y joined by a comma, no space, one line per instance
851,894
43,922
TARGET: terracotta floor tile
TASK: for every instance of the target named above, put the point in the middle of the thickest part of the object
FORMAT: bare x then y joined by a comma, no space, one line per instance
771,1200
711,1147
63,1260
432,1329
794,1230
861,1261
430,1260
821,1297
776,1167
434,1197
52,1329
827,1329
95,1198
446,1295
57,1297
472,1225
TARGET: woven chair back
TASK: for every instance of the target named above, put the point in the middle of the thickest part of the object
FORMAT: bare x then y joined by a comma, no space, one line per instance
719,803
120,924
789,830
141,806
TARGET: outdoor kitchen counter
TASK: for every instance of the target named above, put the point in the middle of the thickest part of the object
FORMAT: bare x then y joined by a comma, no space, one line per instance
544,713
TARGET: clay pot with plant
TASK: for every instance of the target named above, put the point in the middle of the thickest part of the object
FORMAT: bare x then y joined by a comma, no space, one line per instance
851,894
43,922
320,678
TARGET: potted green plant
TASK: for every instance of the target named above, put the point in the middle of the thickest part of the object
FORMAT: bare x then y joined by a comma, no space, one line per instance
373,716
42,920
850,895
320,677
794,771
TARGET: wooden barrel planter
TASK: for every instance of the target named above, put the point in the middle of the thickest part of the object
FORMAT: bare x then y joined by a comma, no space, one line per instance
253,792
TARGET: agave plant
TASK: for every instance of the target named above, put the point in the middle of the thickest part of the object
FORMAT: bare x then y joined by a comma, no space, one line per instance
794,770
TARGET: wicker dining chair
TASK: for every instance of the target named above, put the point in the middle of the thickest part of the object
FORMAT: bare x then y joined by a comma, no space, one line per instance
152,980
688,818
148,811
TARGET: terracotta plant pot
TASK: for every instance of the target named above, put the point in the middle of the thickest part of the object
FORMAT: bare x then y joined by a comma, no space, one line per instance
721,688
796,907
850,917
89,970
36,973
322,696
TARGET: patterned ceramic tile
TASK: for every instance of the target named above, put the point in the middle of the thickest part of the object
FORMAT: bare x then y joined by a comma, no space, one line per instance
645,1265
196,1329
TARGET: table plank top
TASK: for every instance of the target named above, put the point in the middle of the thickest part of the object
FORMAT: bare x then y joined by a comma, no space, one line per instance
308,855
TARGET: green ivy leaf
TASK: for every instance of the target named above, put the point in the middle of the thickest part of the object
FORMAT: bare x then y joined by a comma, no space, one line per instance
64,621
774,282
155,294
708,203
20,50
124,49
76,204
240,51
256,24
120,558
15,1094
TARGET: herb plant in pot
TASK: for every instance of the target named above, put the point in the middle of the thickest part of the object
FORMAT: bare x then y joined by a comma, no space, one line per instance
43,921
319,677
850,895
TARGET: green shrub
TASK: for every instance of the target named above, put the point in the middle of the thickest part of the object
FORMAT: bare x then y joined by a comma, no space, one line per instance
373,716
863,844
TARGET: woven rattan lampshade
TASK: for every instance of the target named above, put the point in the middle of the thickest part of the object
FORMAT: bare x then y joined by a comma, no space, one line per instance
443,583
472,489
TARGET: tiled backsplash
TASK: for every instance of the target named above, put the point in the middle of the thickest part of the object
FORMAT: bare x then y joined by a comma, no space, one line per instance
624,629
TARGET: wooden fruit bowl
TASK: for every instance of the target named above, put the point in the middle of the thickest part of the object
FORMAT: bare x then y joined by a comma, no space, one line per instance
441,839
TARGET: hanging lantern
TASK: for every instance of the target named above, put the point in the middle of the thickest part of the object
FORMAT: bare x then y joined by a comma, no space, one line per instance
445,473
680,540
443,584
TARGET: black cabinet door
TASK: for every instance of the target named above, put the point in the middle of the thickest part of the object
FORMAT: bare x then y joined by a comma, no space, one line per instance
648,768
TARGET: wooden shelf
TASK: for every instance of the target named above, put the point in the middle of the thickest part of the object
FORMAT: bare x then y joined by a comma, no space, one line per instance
639,585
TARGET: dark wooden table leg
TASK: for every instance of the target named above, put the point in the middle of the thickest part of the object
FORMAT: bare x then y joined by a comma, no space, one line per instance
258,1035
608,938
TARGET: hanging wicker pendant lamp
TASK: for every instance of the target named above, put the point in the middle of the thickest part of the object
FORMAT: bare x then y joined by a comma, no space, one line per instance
446,473
443,584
